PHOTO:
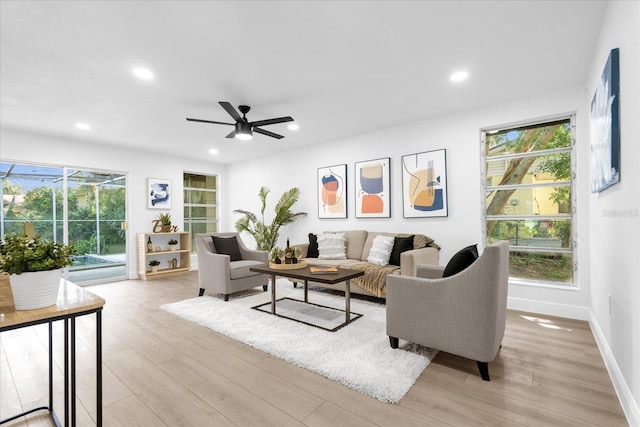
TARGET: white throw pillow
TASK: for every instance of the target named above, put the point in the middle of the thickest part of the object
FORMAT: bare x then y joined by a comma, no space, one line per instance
331,246
381,250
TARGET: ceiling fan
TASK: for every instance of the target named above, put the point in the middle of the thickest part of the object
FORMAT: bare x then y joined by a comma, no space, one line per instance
244,128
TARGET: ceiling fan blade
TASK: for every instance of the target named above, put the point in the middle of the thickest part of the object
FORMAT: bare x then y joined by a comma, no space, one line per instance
209,121
271,121
232,134
232,111
266,132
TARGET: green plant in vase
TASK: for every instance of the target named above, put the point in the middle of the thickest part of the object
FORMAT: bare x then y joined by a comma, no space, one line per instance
275,255
154,263
265,235
35,267
21,254
173,244
165,220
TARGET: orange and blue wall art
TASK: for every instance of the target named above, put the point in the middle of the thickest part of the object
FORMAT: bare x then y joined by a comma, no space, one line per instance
332,191
372,189
424,184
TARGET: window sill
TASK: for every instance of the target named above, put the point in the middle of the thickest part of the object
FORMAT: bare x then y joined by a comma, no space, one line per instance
540,284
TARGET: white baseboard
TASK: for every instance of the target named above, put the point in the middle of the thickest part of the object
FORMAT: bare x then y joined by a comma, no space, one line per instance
548,308
628,403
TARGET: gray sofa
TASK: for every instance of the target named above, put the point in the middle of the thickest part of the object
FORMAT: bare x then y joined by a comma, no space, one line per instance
463,314
358,245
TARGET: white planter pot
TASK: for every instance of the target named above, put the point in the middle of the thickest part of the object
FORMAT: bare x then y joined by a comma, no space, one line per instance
35,290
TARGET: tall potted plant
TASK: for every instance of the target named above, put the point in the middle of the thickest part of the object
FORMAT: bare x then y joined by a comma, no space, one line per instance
34,266
266,235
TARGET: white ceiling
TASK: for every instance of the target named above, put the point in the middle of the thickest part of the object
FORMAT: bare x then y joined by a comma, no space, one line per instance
340,68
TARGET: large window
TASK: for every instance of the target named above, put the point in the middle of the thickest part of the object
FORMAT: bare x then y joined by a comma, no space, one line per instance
82,207
529,198
200,204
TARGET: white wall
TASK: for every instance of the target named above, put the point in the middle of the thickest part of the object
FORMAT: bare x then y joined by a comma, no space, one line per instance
615,217
138,166
459,134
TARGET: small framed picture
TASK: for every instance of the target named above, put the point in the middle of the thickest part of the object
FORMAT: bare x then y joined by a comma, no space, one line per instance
424,184
158,193
372,189
332,191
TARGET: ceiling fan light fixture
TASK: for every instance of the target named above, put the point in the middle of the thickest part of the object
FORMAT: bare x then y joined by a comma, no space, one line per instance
243,131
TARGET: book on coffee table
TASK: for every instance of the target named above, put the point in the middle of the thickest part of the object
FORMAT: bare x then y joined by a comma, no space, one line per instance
323,270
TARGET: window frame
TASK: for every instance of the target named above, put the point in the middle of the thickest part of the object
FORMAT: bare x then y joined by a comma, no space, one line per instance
572,215
188,222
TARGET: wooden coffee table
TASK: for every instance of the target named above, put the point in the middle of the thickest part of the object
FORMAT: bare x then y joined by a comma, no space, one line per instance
304,275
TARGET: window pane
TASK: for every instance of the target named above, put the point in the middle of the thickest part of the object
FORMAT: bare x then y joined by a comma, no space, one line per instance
200,227
201,213
533,170
528,139
529,201
199,181
531,233
550,267
197,197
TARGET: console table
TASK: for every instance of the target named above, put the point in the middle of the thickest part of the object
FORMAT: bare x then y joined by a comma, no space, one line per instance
73,301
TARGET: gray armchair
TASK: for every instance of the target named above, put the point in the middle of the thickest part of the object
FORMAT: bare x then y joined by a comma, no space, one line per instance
216,272
463,314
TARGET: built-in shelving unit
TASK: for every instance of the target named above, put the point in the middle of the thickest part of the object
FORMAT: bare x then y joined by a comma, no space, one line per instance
163,253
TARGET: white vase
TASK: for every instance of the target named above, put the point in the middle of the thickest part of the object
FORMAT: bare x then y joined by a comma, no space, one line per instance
35,290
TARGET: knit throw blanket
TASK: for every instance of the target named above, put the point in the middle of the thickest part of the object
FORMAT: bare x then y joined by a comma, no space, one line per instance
375,277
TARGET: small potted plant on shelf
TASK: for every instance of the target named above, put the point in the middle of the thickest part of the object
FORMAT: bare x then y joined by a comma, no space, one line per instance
173,245
34,266
154,263
165,219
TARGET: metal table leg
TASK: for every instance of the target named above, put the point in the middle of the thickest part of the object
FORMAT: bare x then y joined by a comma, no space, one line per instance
66,372
273,294
73,371
99,368
347,300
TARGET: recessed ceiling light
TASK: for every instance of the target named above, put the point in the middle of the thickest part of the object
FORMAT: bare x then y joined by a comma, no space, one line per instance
459,76
293,126
142,73
83,126
213,151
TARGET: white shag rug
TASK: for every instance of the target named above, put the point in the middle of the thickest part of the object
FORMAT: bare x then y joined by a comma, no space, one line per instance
358,355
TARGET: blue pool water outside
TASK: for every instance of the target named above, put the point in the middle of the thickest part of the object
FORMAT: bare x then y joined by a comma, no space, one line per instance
90,268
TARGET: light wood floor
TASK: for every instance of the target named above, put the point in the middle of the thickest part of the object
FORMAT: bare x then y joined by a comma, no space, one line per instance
160,370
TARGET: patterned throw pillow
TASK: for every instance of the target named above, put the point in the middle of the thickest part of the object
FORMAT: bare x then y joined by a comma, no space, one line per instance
381,250
331,246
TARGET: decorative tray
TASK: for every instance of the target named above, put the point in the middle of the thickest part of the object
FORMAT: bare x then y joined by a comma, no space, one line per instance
298,266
